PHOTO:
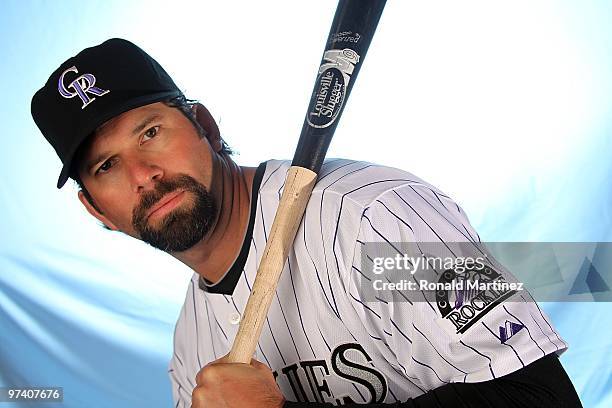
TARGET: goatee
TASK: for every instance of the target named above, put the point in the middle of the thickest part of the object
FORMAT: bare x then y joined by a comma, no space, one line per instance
182,228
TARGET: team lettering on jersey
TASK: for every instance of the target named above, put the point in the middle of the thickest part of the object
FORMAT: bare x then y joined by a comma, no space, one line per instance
348,361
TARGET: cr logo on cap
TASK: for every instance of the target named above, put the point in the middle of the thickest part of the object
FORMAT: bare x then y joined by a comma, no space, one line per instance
82,85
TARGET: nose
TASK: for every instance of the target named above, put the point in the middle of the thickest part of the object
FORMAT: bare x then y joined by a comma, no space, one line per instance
143,175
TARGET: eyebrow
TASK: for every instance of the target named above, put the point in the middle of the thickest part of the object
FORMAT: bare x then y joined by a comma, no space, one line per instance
137,129
147,121
96,160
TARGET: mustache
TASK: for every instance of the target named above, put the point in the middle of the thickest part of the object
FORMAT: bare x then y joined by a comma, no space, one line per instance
163,187
182,228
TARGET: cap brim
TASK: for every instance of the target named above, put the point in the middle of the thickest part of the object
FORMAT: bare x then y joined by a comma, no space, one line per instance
118,110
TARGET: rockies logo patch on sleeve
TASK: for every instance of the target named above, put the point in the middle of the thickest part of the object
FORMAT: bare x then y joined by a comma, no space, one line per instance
469,297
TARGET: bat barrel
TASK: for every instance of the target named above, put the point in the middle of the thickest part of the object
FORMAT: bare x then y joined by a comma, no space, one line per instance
349,38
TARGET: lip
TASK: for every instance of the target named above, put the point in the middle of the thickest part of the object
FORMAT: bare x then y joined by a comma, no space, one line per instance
167,203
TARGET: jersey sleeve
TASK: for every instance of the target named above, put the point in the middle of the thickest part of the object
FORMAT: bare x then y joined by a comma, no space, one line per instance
180,391
182,384
449,335
187,356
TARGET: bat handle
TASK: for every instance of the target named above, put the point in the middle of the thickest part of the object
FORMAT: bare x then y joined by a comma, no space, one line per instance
299,185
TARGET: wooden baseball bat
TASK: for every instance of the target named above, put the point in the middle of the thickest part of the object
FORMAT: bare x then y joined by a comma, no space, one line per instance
349,38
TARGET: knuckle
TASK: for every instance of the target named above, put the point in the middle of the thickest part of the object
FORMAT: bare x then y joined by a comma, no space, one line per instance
207,375
201,376
259,365
197,397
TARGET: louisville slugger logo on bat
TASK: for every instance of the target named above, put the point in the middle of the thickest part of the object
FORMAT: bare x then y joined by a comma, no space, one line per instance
333,79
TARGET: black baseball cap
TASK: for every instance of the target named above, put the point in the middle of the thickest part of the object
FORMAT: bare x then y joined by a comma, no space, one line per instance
96,85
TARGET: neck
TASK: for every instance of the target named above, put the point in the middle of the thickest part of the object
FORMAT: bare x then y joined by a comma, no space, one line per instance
216,252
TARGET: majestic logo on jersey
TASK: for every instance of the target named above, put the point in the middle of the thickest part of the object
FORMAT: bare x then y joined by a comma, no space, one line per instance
82,86
481,290
349,362
330,87
508,330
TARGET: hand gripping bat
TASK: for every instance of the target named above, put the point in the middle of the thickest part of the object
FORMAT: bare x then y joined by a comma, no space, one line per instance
349,38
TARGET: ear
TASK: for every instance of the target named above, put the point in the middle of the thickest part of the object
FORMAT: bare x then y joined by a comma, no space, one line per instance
205,119
95,213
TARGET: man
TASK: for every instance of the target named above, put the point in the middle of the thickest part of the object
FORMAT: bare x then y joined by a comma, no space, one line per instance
154,166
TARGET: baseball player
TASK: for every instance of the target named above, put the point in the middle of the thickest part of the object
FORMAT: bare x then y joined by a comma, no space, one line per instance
342,328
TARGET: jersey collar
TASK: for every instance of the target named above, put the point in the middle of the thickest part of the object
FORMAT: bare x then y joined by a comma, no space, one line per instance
227,284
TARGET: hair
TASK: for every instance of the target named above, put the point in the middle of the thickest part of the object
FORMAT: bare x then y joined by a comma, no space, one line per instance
184,105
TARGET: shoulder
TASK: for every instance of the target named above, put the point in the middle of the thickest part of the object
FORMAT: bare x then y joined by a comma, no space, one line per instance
350,192
358,181
360,185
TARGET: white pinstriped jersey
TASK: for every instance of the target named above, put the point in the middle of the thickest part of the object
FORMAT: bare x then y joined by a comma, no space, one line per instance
323,339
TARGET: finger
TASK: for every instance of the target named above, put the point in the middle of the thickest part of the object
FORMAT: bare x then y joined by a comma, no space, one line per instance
258,364
207,375
197,398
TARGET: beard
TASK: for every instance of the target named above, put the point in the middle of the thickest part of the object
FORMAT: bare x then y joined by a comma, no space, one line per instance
181,228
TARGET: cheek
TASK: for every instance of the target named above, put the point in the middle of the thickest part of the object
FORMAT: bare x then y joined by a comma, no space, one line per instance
196,160
118,210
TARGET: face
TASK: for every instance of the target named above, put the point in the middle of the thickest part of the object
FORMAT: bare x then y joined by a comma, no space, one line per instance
150,175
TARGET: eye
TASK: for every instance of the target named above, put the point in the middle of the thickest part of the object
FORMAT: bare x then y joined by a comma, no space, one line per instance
149,134
105,167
